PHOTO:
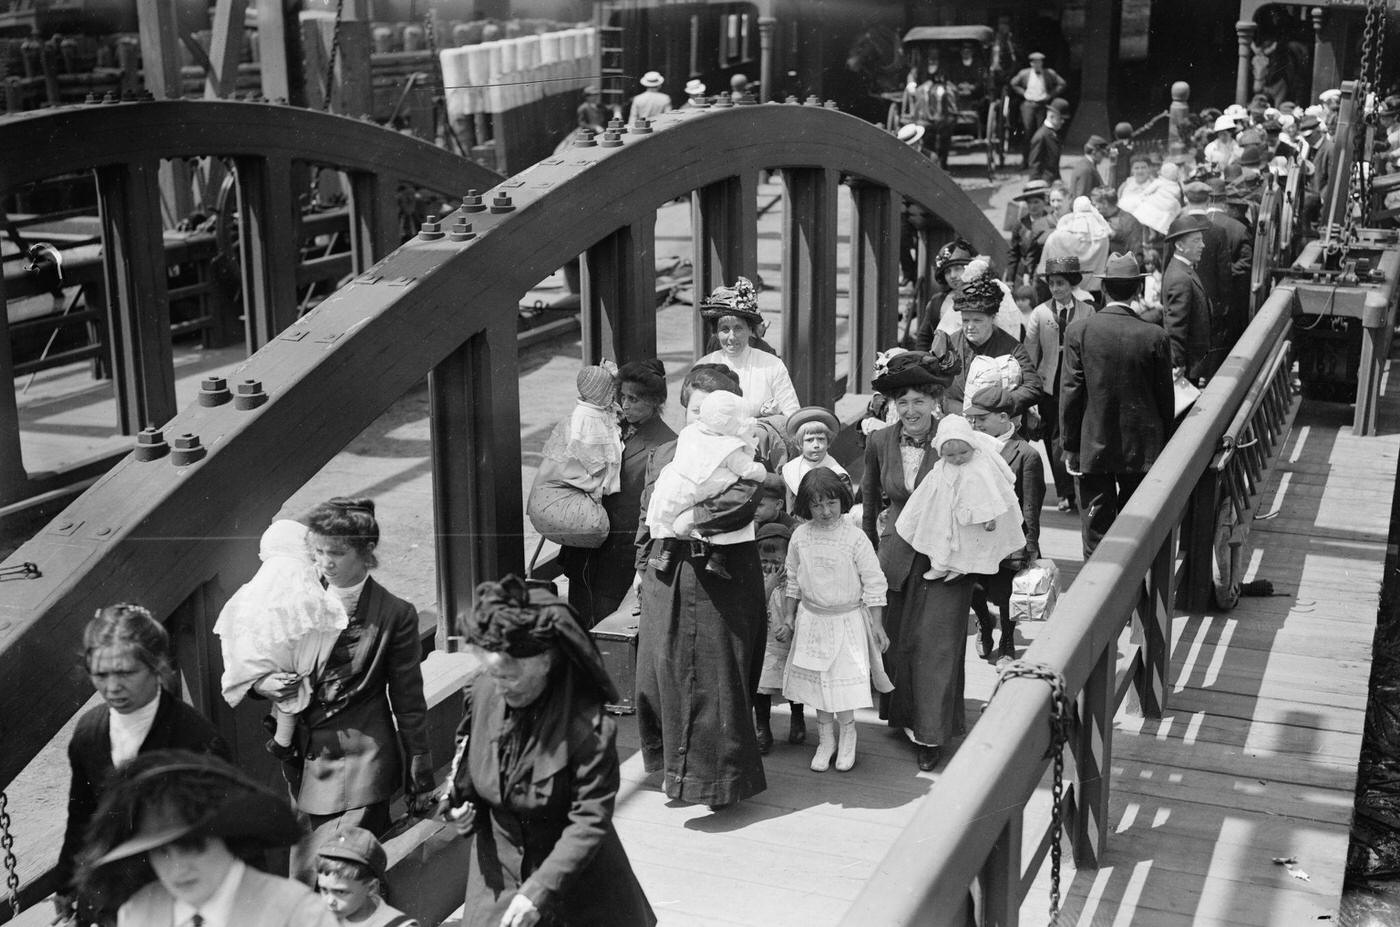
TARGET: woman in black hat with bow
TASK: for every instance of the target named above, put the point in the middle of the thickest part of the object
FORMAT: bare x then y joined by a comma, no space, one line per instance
926,620
536,772
172,842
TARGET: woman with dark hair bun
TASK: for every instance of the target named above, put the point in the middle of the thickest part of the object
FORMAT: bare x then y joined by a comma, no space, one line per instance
126,654
367,707
599,577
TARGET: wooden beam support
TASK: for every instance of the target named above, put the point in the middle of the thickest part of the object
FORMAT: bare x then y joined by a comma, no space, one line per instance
225,48
479,532
874,279
13,477
158,28
279,51
138,302
268,238
1000,877
1092,742
809,281
618,279
374,217
724,236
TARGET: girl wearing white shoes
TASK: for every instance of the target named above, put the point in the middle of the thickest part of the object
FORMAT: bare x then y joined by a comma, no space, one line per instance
835,596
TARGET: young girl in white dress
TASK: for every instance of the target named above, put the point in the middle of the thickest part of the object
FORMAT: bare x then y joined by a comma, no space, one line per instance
280,621
835,597
964,515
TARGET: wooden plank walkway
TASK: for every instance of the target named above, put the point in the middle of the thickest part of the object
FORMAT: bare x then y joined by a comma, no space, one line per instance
1254,760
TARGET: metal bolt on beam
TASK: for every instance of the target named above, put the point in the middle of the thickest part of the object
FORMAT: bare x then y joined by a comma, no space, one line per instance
90,98
792,99
748,99
431,230
583,138
611,140
723,101
616,124
502,203
461,230
150,444
214,391
812,101
187,450
642,126
249,396
831,104
146,96
472,202
109,97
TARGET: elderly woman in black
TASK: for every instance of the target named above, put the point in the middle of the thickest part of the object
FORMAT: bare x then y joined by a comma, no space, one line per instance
599,578
926,620
536,771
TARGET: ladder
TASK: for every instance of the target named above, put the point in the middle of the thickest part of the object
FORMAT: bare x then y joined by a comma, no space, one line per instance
613,18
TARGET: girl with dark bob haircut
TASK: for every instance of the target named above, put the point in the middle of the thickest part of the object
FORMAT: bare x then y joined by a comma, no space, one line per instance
649,377
351,520
821,483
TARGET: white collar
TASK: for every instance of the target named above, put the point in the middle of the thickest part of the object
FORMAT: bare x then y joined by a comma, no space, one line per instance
349,591
218,910
127,732
1180,257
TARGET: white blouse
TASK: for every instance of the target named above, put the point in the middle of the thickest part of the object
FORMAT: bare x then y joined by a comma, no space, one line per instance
762,377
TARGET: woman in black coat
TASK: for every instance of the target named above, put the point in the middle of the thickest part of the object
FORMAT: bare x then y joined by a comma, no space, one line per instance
126,653
536,772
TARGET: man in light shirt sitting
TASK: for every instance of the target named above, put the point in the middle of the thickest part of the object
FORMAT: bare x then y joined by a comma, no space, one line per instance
1036,85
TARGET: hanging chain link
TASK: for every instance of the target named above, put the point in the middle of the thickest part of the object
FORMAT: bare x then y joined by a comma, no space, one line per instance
7,847
334,53
1060,720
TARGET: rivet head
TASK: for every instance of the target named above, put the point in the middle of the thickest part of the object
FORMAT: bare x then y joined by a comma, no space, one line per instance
150,444
812,101
461,230
103,532
187,449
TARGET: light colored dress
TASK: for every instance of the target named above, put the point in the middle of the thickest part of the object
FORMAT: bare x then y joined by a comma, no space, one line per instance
280,621
762,377
775,652
945,516
794,470
710,457
1162,202
835,575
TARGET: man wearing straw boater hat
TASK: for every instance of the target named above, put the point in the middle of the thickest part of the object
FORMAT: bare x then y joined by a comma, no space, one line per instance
651,102
1116,400
1028,237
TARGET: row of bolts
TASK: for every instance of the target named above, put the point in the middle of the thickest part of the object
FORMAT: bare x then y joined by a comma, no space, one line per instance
214,391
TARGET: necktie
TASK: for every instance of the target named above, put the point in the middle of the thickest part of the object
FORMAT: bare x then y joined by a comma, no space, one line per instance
911,441
197,920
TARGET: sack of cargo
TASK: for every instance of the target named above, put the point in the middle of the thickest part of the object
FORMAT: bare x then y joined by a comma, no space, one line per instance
1034,591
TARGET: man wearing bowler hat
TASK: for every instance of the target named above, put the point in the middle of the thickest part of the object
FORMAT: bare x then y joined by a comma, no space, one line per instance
1036,85
1116,401
1043,157
1028,237
651,102
1214,265
1186,309
1084,176
1239,250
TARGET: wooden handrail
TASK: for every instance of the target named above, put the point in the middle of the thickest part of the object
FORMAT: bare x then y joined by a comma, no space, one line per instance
982,794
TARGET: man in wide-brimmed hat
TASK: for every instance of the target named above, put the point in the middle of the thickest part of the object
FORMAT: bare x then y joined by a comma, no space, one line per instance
1186,309
1028,237
651,102
1116,401
1214,265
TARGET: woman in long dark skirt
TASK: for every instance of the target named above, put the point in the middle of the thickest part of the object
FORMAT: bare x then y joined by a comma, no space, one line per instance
926,620
700,644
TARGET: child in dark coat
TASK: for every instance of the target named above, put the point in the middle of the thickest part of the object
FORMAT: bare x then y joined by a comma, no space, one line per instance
992,413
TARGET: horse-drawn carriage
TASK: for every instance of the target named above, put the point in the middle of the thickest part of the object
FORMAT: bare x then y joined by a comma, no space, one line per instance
956,90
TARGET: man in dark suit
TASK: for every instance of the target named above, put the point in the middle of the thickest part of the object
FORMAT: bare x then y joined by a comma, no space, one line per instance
1213,267
1043,156
1239,248
1084,176
1036,85
1186,309
1116,401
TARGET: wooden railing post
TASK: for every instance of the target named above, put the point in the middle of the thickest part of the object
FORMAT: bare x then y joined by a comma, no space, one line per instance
137,296
1155,627
476,502
268,246
874,279
618,279
809,281
374,217
13,477
1000,877
1200,539
724,239
1093,748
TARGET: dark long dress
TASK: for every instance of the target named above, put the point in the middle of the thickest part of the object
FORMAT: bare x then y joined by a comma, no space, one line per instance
699,647
926,620
600,578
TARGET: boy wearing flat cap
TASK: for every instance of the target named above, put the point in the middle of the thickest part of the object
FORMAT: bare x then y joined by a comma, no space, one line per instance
992,412
350,874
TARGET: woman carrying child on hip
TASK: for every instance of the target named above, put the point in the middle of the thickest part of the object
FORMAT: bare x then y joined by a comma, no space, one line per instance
835,596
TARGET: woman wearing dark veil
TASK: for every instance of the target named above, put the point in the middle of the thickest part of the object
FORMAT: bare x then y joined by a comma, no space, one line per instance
536,771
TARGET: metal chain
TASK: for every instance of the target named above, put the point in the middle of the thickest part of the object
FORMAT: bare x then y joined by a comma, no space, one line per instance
335,51
1060,719
7,845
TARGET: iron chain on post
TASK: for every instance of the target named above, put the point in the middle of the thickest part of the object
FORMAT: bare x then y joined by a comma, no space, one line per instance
7,847
334,52
1059,735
